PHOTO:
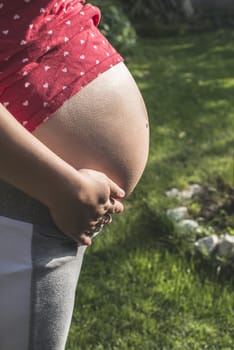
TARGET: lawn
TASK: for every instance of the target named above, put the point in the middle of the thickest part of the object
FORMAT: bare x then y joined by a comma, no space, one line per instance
138,288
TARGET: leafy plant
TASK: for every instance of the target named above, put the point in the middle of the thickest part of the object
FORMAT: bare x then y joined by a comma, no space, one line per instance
115,25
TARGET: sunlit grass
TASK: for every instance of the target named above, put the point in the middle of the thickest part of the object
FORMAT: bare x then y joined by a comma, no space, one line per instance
137,290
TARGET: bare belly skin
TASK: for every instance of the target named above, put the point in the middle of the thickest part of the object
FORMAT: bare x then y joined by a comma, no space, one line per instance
103,127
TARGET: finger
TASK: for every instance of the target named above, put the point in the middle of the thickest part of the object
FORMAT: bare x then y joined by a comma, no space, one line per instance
92,229
95,226
95,223
98,214
115,206
115,190
85,240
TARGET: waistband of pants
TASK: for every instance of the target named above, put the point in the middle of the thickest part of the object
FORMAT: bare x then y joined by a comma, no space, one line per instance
19,206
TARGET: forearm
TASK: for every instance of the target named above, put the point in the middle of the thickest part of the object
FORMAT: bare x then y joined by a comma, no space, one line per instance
27,163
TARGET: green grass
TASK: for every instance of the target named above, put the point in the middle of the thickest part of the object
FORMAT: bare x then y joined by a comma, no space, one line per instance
137,290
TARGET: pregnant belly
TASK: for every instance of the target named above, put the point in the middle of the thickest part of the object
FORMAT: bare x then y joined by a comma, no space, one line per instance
103,127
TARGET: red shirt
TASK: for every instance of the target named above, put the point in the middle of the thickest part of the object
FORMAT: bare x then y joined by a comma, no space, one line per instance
49,50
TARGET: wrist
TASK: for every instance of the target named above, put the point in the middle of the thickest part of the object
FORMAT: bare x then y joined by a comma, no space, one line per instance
64,181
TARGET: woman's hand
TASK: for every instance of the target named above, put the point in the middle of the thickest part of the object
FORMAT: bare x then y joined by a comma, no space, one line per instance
79,201
86,201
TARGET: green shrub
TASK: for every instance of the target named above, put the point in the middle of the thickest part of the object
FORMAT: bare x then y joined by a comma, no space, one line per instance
155,17
115,25
167,17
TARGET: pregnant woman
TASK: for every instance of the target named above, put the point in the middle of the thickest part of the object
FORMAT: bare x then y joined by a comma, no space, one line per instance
73,144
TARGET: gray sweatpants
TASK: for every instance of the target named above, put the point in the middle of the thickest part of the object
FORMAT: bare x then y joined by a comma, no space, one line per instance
39,270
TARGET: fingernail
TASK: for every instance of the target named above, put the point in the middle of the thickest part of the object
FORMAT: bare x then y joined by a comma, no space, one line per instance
121,193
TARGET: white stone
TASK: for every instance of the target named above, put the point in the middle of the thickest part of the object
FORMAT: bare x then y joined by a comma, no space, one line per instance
187,193
190,191
206,245
187,227
177,214
226,247
174,192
